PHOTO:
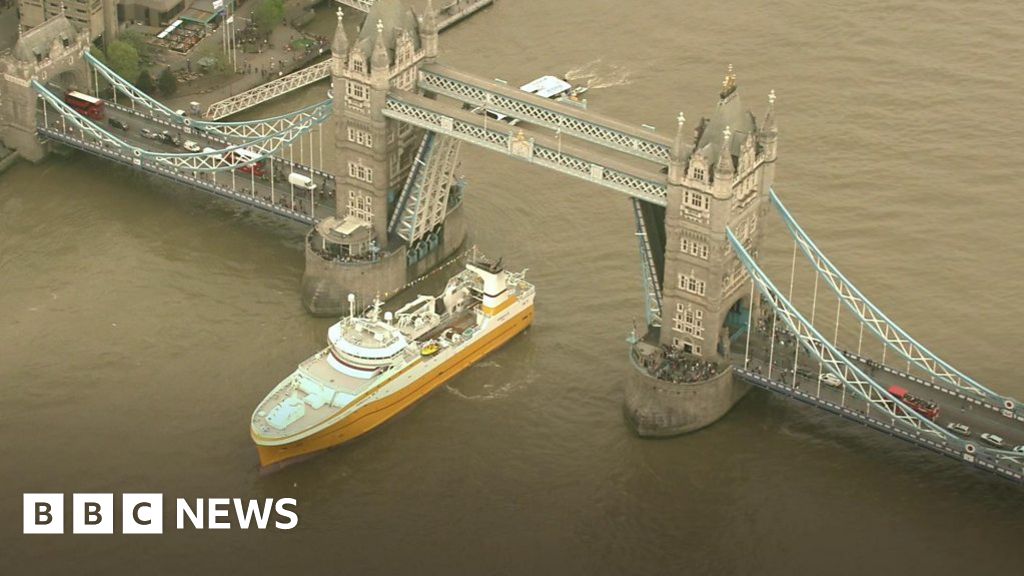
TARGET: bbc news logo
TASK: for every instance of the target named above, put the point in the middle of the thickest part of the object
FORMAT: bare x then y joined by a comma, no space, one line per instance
144,513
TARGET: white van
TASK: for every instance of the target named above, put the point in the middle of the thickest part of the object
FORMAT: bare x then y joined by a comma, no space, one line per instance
304,182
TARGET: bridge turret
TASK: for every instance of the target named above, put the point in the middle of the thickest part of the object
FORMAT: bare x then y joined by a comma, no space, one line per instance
770,132
373,156
50,53
705,302
724,169
339,47
679,152
429,31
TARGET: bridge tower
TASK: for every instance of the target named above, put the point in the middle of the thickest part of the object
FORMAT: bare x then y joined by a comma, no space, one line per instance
51,53
683,380
357,250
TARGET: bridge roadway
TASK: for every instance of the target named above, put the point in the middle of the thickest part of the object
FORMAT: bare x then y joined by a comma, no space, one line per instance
567,118
952,407
279,198
583,159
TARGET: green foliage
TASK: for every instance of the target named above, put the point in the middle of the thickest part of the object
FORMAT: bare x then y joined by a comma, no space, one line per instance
267,14
124,59
145,82
145,50
167,82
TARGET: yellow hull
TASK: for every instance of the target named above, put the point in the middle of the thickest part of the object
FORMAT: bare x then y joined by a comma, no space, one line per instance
376,413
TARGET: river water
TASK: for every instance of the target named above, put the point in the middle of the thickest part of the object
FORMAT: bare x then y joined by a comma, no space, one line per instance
140,323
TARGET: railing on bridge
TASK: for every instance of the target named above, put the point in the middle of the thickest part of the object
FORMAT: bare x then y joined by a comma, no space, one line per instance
243,132
248,198
217,160
862,397
877,322
268,91
417,110
550,114
652,290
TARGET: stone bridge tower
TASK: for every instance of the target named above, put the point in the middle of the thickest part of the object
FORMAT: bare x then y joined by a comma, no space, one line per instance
353,252
52,54
718,180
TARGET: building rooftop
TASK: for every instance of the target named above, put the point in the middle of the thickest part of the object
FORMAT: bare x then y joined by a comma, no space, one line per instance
36,43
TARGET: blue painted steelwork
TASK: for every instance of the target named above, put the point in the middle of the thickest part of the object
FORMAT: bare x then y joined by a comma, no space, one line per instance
852,376
994,461
177,176
413,191
885,329
863,386
652,291
217,160
244,130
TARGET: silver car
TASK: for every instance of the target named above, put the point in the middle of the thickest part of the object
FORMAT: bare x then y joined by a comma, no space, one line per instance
959,429
992,439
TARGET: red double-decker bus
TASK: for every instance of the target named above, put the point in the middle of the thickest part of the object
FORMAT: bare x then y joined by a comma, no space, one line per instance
926,408
85,105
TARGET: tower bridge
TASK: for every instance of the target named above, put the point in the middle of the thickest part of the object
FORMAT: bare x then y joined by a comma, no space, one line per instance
387,207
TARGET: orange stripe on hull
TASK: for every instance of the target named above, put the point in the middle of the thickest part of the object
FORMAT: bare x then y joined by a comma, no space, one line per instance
376,413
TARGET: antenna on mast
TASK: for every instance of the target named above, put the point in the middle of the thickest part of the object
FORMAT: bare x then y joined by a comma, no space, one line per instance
351,305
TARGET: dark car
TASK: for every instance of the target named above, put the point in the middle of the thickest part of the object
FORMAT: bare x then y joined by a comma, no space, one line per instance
118,124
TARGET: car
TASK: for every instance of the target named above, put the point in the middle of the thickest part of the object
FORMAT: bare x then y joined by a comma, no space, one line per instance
191,146
831,379
959,429
1019,449
181,113
992,439
118,124
168,138
147,133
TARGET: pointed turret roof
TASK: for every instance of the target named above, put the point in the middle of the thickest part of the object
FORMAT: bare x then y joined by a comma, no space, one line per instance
340,44
730,113
392,15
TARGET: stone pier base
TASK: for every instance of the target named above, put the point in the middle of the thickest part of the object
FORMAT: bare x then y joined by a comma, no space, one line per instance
658,408
326,284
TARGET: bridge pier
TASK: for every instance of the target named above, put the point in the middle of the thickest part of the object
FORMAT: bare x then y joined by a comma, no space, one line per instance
327,281
658,407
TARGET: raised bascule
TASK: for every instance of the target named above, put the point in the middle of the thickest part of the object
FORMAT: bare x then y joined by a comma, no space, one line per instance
384,203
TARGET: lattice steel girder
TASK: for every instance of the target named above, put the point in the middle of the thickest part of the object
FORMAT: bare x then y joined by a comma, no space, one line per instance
527,145
652,292
217,160
238,131
544,112
855,379
878,323
268,91
361,5
128,89
438,175
411,183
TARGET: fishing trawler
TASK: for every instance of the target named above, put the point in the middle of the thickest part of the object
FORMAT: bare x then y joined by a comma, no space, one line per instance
376,366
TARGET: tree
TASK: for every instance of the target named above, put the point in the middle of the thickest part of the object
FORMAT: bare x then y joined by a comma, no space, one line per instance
124,59
145,50
145,82
268,14
167,82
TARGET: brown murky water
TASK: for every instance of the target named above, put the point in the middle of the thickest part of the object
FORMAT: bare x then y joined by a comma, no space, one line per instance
140,323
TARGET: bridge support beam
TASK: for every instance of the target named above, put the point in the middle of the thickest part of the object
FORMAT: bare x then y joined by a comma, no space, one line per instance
327,282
